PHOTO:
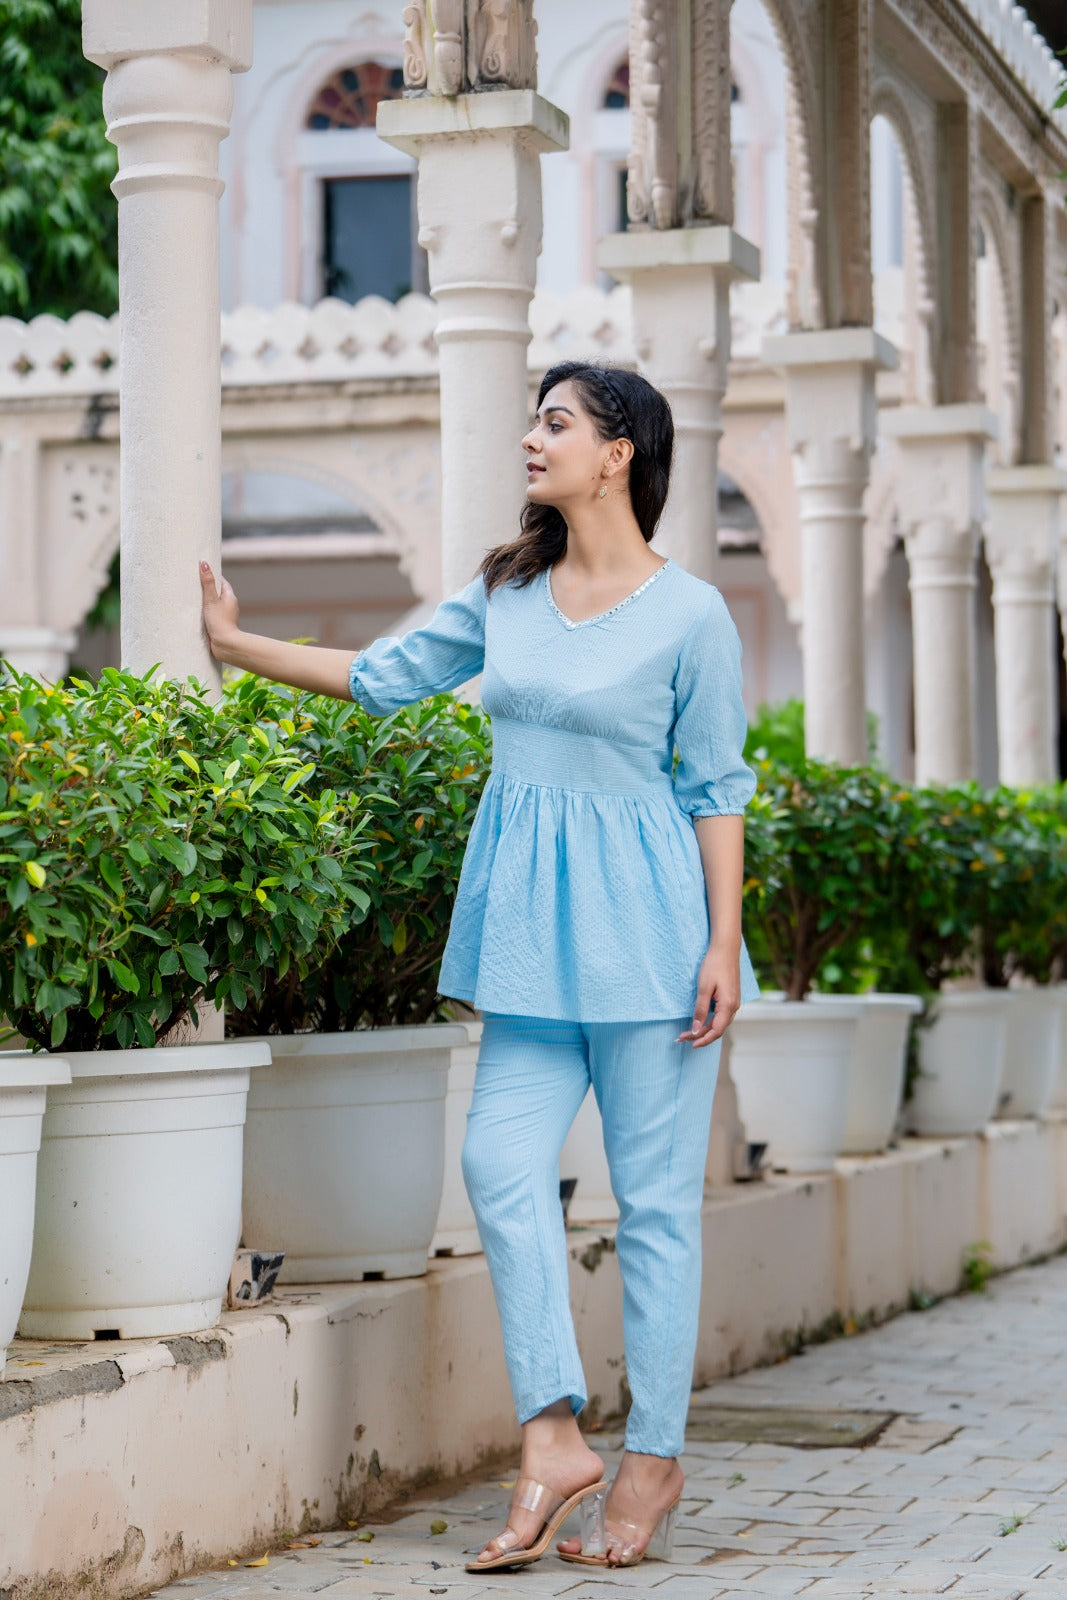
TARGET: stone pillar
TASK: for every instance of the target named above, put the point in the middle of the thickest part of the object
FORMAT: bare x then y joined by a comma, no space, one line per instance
1022,539
941,506
681,279
477,127
681,254
167,101
831,414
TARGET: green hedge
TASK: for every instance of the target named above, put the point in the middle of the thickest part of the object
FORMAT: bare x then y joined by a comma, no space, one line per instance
297,859
854,881
158,851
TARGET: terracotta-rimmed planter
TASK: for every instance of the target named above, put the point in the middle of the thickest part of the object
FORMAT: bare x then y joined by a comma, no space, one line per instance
24,1083
139,1192
1031,1052
961,1063
1058,1099
879,1062
345,1148
791,1062
457,1232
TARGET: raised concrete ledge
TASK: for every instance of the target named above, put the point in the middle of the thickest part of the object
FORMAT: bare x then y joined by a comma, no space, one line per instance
127,1464
830,347
970,421
409,122
712,246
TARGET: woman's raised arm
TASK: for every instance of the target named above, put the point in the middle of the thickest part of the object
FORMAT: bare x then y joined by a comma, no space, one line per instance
304,666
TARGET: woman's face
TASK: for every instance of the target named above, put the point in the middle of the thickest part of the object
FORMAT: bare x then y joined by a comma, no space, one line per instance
565,459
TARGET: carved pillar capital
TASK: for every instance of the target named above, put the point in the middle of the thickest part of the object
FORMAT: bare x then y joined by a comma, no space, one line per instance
479,198
680,79
1022,539
940,454
680,281
940,482
452,47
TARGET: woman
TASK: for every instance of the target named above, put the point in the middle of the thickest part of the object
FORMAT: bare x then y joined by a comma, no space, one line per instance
597,922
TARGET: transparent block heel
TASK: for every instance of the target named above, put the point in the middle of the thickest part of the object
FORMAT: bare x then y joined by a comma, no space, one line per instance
661,1545
594,1535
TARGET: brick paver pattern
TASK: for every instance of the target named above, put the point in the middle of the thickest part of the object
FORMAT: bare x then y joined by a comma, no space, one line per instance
965,1494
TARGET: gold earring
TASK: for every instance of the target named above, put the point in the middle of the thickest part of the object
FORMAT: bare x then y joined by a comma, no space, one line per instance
604,492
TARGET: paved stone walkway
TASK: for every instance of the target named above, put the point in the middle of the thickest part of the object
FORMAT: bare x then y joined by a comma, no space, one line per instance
964,1494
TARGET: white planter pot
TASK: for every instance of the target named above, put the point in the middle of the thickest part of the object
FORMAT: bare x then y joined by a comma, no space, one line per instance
24,1082
792,1063
1031,1052
457,1231
879,1060
1058,1102
344,1151
961,1063
139,1192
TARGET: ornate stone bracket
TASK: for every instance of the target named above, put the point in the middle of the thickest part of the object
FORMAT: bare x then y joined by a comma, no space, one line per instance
455,47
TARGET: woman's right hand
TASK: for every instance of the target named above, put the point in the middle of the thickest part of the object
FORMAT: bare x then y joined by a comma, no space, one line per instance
221,614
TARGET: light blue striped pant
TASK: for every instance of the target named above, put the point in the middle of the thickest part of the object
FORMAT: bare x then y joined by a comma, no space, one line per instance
655,1101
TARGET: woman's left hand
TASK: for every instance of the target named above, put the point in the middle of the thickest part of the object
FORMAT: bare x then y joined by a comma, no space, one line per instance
718,997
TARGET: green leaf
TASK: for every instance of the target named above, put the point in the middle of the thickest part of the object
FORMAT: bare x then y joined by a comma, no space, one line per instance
123,976
111,874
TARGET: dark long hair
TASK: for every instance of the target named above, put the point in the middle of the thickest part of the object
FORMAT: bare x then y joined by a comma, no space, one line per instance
622,405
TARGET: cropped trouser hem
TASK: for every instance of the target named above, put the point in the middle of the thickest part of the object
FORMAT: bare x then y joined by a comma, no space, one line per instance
655,1099
531,1405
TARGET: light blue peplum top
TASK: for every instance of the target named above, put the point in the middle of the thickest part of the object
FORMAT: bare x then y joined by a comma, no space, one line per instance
582,894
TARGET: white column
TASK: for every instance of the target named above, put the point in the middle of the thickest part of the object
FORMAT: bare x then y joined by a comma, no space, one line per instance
680,279
1022,538
167,101
480,222
941,506
832,418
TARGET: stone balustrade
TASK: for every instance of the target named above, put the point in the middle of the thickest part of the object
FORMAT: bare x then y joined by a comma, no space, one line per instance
334,341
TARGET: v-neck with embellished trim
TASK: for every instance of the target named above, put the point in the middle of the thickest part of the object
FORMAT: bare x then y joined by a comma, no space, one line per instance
601,616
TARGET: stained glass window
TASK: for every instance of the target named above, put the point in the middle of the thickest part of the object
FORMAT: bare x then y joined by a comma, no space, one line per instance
350,98
617,93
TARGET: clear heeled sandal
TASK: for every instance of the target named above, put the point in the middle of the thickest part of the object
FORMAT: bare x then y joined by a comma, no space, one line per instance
594,1551
554,1508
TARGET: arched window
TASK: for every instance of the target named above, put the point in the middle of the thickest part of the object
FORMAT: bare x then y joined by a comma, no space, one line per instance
617,93
351,97
364,206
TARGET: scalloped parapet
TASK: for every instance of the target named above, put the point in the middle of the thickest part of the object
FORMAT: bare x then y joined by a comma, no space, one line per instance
334,342
1023,50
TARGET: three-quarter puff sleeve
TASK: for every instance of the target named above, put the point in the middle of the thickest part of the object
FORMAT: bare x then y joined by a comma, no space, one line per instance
449,650
711,778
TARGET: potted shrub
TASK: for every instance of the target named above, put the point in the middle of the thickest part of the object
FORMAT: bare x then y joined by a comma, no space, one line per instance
345,1139
1026,949
821,866
155,854
1047,963
957,889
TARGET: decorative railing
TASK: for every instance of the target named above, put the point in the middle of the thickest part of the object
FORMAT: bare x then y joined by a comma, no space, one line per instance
1022,49
334,342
